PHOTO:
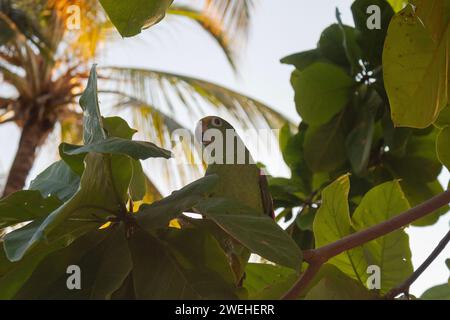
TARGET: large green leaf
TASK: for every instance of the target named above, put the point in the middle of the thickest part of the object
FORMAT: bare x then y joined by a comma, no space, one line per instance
321,91
24,206
391,252
203,261
100,196
416,49
359,141
114,267
268,282
57,180
324,146
158,214
332,222
258,233
49,279
14,275
131,16
113,145
158,275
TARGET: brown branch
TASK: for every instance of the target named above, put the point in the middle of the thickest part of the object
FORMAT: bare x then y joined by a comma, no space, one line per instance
317,257
404,286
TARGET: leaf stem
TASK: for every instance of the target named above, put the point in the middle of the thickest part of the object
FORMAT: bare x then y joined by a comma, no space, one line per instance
317,257
404,286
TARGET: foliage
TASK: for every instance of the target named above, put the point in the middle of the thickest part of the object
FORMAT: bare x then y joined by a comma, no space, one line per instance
347,125
127,254
347,92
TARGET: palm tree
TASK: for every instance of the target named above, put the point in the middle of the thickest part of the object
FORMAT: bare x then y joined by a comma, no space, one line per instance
44,67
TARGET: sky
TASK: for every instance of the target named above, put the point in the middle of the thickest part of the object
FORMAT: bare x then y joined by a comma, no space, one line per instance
279,28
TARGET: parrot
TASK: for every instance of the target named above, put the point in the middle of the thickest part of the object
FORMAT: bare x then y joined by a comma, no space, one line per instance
241,180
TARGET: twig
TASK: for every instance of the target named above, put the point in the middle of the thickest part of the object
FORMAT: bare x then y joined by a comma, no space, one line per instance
404,286
317,257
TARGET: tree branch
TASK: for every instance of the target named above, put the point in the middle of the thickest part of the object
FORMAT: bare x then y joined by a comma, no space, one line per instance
404,286
317,257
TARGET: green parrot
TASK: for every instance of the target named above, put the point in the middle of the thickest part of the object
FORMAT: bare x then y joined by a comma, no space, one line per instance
240,179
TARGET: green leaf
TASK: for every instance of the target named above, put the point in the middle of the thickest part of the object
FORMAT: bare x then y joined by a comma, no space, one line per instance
135,149
203,261
92,120
158,214
268,282
324,147
48,281
97,200
335,285
440,292
371,41
57,180
391,252
114,267
413,52
359,141
24,206
258,233
443,146
335,42
132,16
76,163
156,275
321,91
303,59
12,279
332,223
118,127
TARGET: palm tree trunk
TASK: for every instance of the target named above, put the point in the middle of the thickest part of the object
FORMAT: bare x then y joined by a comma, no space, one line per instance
33,135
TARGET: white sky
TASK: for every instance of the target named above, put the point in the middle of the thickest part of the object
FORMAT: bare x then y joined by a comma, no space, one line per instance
280,27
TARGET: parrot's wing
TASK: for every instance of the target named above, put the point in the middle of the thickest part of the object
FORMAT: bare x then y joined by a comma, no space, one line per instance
265,195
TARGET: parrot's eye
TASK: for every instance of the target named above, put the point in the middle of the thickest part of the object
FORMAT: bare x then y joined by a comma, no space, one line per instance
217,122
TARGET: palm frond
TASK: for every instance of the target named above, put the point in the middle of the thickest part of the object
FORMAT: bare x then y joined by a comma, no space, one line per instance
212,26
233,14
165,90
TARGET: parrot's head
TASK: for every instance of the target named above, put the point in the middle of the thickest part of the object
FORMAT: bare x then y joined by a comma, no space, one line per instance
214,123
225,146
